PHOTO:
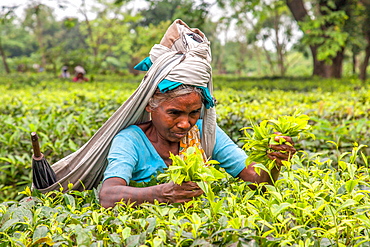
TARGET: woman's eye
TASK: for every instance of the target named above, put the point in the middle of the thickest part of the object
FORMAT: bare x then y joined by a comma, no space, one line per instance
173,112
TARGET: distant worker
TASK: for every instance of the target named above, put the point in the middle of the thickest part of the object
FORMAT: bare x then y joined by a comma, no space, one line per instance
65,73
80,74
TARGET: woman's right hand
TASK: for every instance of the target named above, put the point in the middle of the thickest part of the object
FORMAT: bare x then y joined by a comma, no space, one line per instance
175,193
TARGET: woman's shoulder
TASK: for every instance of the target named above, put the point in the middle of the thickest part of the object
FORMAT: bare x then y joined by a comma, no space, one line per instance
131,136
129,132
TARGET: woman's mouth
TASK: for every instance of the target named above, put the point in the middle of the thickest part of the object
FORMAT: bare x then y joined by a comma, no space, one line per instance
180,135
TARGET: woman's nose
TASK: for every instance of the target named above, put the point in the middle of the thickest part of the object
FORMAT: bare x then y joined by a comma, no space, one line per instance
184,123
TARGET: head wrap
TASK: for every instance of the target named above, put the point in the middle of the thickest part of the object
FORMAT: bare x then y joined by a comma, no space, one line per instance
194,69
79,69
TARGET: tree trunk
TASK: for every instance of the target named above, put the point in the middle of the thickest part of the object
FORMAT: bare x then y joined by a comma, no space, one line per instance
94,44
320,68
259,63
297,8
366,31
354,62
335,69
269,59
39,36
365,63
325,70
279,46
242,57
7,70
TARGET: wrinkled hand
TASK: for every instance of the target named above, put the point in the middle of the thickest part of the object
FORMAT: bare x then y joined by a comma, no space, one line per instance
285,151
175,193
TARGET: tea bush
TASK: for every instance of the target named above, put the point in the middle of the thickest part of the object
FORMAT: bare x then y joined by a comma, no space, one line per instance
313,204
321,198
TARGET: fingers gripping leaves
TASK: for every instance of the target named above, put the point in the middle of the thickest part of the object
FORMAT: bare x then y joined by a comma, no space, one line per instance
271,140
191,168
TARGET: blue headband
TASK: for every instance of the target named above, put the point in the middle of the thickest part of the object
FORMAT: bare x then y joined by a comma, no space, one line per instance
166,85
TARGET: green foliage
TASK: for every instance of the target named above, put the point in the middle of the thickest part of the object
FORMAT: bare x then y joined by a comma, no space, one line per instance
257,24
64,114
320,199
247,37
192,12
313,203
191,168
258,145
326,32
159,11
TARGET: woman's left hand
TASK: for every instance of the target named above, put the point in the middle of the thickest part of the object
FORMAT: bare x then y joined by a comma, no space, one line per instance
284,151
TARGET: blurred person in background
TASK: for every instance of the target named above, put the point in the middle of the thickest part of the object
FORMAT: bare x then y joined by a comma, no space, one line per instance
80,74
65,73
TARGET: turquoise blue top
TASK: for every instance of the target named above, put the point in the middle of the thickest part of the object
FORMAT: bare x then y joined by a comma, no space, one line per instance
133,157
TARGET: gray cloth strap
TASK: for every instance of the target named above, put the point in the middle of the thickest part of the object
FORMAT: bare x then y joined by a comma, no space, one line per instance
85,167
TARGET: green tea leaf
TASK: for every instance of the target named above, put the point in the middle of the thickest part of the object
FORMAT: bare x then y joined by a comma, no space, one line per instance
258,144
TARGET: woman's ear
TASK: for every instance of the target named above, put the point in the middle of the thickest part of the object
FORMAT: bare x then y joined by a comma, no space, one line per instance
148,108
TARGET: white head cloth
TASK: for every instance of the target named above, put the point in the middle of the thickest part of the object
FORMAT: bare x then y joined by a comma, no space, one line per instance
79,69
178,58
194,69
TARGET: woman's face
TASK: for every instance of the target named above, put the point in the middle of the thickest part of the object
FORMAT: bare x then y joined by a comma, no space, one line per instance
174,118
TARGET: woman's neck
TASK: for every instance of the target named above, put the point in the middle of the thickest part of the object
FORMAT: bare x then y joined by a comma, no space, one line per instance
162,146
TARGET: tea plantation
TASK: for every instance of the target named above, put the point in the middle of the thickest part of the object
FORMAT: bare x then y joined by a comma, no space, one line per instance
321,197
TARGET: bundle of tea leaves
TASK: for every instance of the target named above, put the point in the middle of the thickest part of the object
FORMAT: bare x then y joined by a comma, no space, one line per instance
257,144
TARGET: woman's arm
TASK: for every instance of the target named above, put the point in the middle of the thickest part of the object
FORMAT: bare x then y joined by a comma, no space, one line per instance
115,189
248,174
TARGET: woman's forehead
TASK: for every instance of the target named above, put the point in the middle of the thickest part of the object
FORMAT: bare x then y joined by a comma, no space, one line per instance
191,98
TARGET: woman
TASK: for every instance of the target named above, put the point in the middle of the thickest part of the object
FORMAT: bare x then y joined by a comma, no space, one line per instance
80,74
140,151
180,109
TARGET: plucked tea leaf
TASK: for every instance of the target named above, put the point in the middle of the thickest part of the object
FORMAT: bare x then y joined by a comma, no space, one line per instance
7,224
350,185
152,223
126,233
347,203
191,168
277,208
364,219
258,144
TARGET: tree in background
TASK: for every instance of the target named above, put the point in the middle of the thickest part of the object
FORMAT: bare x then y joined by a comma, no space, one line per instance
192,12
212,30
364,20
323,25
66,46
108,36
265,24
158,11
278,28
253,37
143,39
40,20
72,43
6,17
